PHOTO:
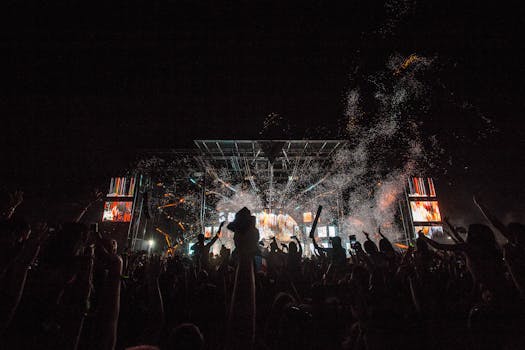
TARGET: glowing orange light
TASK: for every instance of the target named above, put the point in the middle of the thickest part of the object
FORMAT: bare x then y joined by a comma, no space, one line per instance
307,217
407,63
402,246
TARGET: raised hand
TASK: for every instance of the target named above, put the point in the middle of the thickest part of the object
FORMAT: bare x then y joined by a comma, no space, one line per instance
494,221
218,234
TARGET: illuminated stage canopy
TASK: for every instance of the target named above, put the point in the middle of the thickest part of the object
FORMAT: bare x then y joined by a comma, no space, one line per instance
277,173
283,157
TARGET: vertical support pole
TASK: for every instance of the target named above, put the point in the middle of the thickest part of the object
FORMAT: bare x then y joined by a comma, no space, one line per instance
203,202
134,220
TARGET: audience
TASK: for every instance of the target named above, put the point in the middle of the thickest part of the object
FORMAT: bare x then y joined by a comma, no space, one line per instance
68,288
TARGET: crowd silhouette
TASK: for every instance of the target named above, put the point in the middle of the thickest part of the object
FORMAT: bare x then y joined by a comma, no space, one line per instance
68,288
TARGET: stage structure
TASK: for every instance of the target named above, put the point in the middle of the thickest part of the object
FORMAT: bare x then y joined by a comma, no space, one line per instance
272,171
184,192
196,189
121,212
421,211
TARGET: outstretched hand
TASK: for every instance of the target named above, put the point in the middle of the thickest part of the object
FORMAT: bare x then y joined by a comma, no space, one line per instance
218,234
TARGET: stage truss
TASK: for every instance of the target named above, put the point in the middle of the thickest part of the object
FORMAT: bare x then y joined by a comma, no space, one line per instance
278,172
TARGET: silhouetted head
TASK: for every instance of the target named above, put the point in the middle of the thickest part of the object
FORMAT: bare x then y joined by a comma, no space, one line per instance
336,242
200,238
421,245
480,235
243,219
370,247
111,246
186,336
292,247
385,246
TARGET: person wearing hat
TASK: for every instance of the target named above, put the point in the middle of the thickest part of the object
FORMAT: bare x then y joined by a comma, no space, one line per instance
246,236
241,322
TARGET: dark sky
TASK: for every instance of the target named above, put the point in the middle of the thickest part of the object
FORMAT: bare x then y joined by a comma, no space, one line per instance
86,86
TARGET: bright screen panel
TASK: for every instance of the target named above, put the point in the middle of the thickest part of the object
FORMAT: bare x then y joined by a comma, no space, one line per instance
121,187
117,211
429,231
307,217
425,211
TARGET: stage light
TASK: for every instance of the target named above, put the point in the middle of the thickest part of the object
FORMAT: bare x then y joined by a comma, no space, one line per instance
151,243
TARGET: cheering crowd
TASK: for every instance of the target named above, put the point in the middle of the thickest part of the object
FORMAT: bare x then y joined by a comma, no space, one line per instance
68,288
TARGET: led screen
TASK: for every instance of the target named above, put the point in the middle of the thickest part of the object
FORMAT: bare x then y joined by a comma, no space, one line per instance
207,232
307,217
117,211
121,187
425,211
321,231
421,187
429,231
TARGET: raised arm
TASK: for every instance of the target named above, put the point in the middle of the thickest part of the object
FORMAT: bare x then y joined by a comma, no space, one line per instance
109,308
448,247
13,281
455,233
319,248
98,196
299,246
494,221
214,239
155,316
210,243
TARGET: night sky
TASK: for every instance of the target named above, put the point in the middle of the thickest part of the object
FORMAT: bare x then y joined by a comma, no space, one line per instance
86,86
